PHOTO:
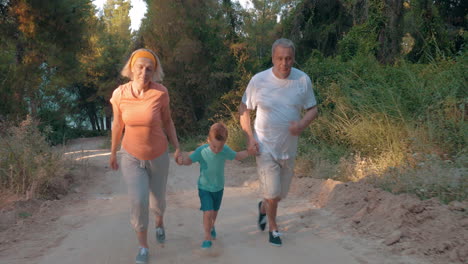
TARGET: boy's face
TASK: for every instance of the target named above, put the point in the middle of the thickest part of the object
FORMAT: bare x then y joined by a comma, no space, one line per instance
216,145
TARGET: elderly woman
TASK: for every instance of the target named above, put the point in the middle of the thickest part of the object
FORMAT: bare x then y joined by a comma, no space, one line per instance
141,106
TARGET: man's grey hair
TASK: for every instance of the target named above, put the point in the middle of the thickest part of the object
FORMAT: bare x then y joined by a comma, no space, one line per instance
283,42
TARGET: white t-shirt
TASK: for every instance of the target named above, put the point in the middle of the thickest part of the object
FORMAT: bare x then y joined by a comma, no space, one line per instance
278,102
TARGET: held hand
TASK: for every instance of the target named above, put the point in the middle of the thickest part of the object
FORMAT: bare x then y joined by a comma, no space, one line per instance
177,155
252,147
113,162
180,160
295,128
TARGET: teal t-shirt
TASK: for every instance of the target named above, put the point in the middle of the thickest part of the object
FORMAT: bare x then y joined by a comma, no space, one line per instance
212,166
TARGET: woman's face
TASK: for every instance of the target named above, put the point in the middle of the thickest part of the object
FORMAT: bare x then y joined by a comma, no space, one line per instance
143,70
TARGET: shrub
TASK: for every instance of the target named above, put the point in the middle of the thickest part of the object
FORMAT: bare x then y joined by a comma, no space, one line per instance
28,164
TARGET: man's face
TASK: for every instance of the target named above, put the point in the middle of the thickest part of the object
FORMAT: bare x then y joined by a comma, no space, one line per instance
283,59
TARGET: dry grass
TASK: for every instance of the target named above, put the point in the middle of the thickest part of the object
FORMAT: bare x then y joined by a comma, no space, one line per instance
28,164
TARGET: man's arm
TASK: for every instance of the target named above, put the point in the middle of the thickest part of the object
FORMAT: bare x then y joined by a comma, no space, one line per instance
296,128
242,155
252,144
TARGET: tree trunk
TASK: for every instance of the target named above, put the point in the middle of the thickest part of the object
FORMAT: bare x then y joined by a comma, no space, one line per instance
390,36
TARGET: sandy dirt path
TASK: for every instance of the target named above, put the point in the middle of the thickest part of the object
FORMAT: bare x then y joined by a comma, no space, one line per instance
94,226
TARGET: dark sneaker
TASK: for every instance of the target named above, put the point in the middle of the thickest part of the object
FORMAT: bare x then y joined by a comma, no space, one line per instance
213,233
262,219
160,235
275,239
206,244
142,257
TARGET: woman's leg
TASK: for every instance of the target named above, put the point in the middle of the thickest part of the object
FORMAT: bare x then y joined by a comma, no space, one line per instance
137,184
158,170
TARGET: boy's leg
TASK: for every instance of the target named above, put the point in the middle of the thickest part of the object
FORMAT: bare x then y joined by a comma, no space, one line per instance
215,214
208,223
207,206
213,230
217,199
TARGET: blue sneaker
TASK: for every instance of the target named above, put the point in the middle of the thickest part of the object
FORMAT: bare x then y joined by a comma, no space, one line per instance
275,239
160,235
142,257
213,233
206,244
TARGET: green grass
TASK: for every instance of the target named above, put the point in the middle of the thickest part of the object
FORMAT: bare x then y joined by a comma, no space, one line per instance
401,127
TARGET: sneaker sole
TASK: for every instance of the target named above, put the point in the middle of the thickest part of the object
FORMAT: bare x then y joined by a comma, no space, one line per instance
276,245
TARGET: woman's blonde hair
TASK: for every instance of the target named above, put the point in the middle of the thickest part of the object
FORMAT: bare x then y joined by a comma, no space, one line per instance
158,72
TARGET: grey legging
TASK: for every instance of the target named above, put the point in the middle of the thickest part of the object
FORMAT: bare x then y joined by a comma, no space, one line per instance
146,183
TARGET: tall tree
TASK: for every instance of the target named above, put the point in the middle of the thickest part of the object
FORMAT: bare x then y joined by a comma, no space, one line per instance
110,43
48,38
189,36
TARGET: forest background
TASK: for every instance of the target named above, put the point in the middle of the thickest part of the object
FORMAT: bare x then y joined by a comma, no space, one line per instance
390,78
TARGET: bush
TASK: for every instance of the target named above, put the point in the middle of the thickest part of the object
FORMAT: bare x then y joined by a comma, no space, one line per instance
28,164
374,119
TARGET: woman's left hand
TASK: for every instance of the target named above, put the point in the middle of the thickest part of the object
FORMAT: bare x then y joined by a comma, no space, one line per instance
177,153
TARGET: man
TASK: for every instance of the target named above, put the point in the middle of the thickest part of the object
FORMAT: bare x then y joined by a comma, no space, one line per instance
278,94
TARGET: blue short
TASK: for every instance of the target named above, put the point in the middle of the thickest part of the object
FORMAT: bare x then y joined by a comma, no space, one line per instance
210,200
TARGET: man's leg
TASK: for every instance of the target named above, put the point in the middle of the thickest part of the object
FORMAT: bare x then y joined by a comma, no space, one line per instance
271,209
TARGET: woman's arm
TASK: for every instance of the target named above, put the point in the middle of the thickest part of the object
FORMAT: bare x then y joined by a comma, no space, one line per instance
117,130
170,130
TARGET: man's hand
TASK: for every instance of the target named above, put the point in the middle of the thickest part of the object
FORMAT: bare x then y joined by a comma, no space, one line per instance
252,147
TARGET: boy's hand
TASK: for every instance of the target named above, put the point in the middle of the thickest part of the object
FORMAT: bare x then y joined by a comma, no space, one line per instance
180,159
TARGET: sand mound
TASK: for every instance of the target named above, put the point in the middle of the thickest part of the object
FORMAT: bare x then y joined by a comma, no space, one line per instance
402,222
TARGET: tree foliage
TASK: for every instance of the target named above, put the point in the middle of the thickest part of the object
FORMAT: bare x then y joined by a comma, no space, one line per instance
60,61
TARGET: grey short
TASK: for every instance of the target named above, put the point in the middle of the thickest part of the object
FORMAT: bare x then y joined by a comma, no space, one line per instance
275,175
146,182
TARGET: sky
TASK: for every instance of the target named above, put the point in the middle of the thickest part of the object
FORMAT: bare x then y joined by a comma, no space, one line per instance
139,9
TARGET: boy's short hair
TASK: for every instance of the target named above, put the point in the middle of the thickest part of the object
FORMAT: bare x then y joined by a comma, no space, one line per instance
218,131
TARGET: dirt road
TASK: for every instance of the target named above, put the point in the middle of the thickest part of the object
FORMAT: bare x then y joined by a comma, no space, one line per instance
93,225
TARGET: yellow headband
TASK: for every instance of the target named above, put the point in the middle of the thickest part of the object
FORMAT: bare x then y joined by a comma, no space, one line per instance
143,54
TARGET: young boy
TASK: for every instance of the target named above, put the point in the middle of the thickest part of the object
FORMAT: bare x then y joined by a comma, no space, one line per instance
211,157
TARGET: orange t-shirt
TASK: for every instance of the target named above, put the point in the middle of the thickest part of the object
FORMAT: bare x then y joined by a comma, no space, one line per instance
144,136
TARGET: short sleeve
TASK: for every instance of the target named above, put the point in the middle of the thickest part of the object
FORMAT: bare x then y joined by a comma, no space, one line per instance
196,155
116,96
309,98
249,95
165,97
229,153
